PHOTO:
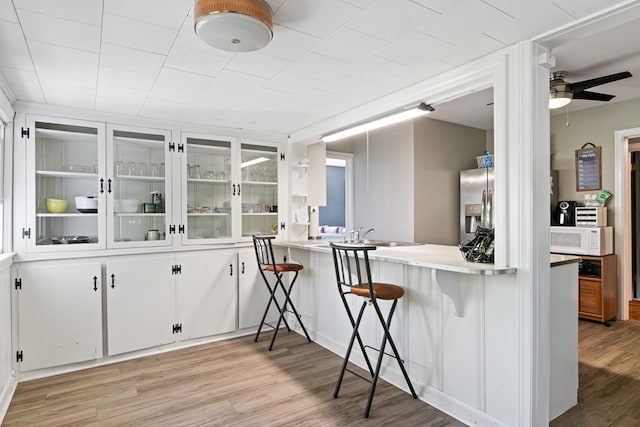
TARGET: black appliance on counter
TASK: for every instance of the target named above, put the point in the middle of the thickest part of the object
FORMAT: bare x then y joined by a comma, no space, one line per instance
565,213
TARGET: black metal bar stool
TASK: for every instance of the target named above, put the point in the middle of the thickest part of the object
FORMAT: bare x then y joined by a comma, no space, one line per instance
267,263
349,261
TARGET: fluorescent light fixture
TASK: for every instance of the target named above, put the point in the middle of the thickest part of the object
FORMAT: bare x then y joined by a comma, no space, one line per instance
559,99
391,119
253,162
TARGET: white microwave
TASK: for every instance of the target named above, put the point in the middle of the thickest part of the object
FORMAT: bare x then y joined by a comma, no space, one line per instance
582,240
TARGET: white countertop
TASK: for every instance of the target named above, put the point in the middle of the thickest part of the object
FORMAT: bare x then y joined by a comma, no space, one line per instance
439,257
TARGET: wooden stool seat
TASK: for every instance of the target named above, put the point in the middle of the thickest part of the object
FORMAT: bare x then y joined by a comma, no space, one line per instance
380,290
285,267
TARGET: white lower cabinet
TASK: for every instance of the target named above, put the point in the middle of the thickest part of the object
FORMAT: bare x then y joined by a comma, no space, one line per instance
253,294
206,293
59,313
141,308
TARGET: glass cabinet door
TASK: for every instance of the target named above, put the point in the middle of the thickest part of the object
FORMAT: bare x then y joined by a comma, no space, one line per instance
207,190
259,189
137,178
65,202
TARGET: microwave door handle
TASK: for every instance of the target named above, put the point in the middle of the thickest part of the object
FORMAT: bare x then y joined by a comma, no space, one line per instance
483,209
490,209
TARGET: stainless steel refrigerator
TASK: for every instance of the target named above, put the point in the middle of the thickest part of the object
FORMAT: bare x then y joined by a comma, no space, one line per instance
476,201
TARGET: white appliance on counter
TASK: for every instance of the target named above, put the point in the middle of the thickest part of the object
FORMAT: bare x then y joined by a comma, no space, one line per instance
595,241
476,201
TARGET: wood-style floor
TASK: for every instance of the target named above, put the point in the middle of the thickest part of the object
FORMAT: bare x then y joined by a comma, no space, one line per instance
240,383
230,383
609,377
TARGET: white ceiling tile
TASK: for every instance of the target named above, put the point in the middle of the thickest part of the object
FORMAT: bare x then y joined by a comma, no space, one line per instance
166,13
375,69
64,57
15,58
137,35
75,77
317,18
68,96
440,6
243,82
182,80
61,32
114,99
349,45
24,84
109,76
292,83
257,64
289,44
581,8
7,12
193,61
88,11
11,35
416,46
362,4
316,66
125,58
391,19
161,109
275,4
172,94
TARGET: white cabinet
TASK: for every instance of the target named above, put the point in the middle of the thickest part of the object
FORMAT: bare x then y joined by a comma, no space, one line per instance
59,312
206,293
253,294
159,299
140,303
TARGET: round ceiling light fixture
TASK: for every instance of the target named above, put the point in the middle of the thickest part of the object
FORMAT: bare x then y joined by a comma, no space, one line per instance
234,25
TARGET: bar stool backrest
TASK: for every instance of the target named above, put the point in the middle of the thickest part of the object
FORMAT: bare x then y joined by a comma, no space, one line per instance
264,251
352,267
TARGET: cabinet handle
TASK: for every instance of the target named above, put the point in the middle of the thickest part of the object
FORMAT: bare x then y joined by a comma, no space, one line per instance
109,186
101,185
234,190
113,281
230,269
238,189
242,271
95,283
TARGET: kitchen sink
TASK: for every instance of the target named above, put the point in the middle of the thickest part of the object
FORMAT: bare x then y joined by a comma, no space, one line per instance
388,243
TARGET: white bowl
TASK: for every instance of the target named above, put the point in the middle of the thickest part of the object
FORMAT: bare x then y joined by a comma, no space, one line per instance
126,205
87,204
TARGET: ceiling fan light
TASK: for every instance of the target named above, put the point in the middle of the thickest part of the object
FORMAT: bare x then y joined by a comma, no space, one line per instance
234,25
559,99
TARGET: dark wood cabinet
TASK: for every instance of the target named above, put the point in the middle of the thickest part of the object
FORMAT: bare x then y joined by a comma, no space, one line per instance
598,294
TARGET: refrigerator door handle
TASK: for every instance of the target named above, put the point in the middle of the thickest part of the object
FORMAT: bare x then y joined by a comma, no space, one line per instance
483,209
490,210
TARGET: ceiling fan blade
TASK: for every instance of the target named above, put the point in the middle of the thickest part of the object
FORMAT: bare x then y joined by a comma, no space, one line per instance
593,96
586,84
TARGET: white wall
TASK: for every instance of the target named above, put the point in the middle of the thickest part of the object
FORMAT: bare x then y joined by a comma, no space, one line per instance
384,201
596,125
441,150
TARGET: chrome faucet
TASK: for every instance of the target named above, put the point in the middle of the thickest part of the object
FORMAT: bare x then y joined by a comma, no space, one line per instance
366,232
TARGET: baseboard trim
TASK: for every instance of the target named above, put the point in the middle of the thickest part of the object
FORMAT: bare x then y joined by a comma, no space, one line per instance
6,394
634,310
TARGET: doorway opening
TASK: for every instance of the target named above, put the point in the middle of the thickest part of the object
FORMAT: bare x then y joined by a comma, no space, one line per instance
634,152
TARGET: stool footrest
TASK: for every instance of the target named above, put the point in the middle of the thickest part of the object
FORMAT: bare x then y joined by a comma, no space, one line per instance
385,353
358,375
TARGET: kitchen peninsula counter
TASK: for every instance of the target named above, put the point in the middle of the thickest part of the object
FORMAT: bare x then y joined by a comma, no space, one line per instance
456,326
438,257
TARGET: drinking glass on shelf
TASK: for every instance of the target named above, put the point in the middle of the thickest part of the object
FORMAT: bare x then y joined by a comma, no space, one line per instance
196,171
119,168
161,169
155,169
142,169
131,168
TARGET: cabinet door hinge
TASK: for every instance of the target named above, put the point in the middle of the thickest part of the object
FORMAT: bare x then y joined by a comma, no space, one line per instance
181,229
180,148
177,328
282,226
24,132
172,146
172,229
176,269
19,356
26,233
18,283
282,156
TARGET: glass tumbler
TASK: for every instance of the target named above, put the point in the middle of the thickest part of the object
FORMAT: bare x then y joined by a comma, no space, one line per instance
142,169
155,169
131,168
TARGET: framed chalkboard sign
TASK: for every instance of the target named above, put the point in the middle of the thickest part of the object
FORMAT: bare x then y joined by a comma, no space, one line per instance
589,168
